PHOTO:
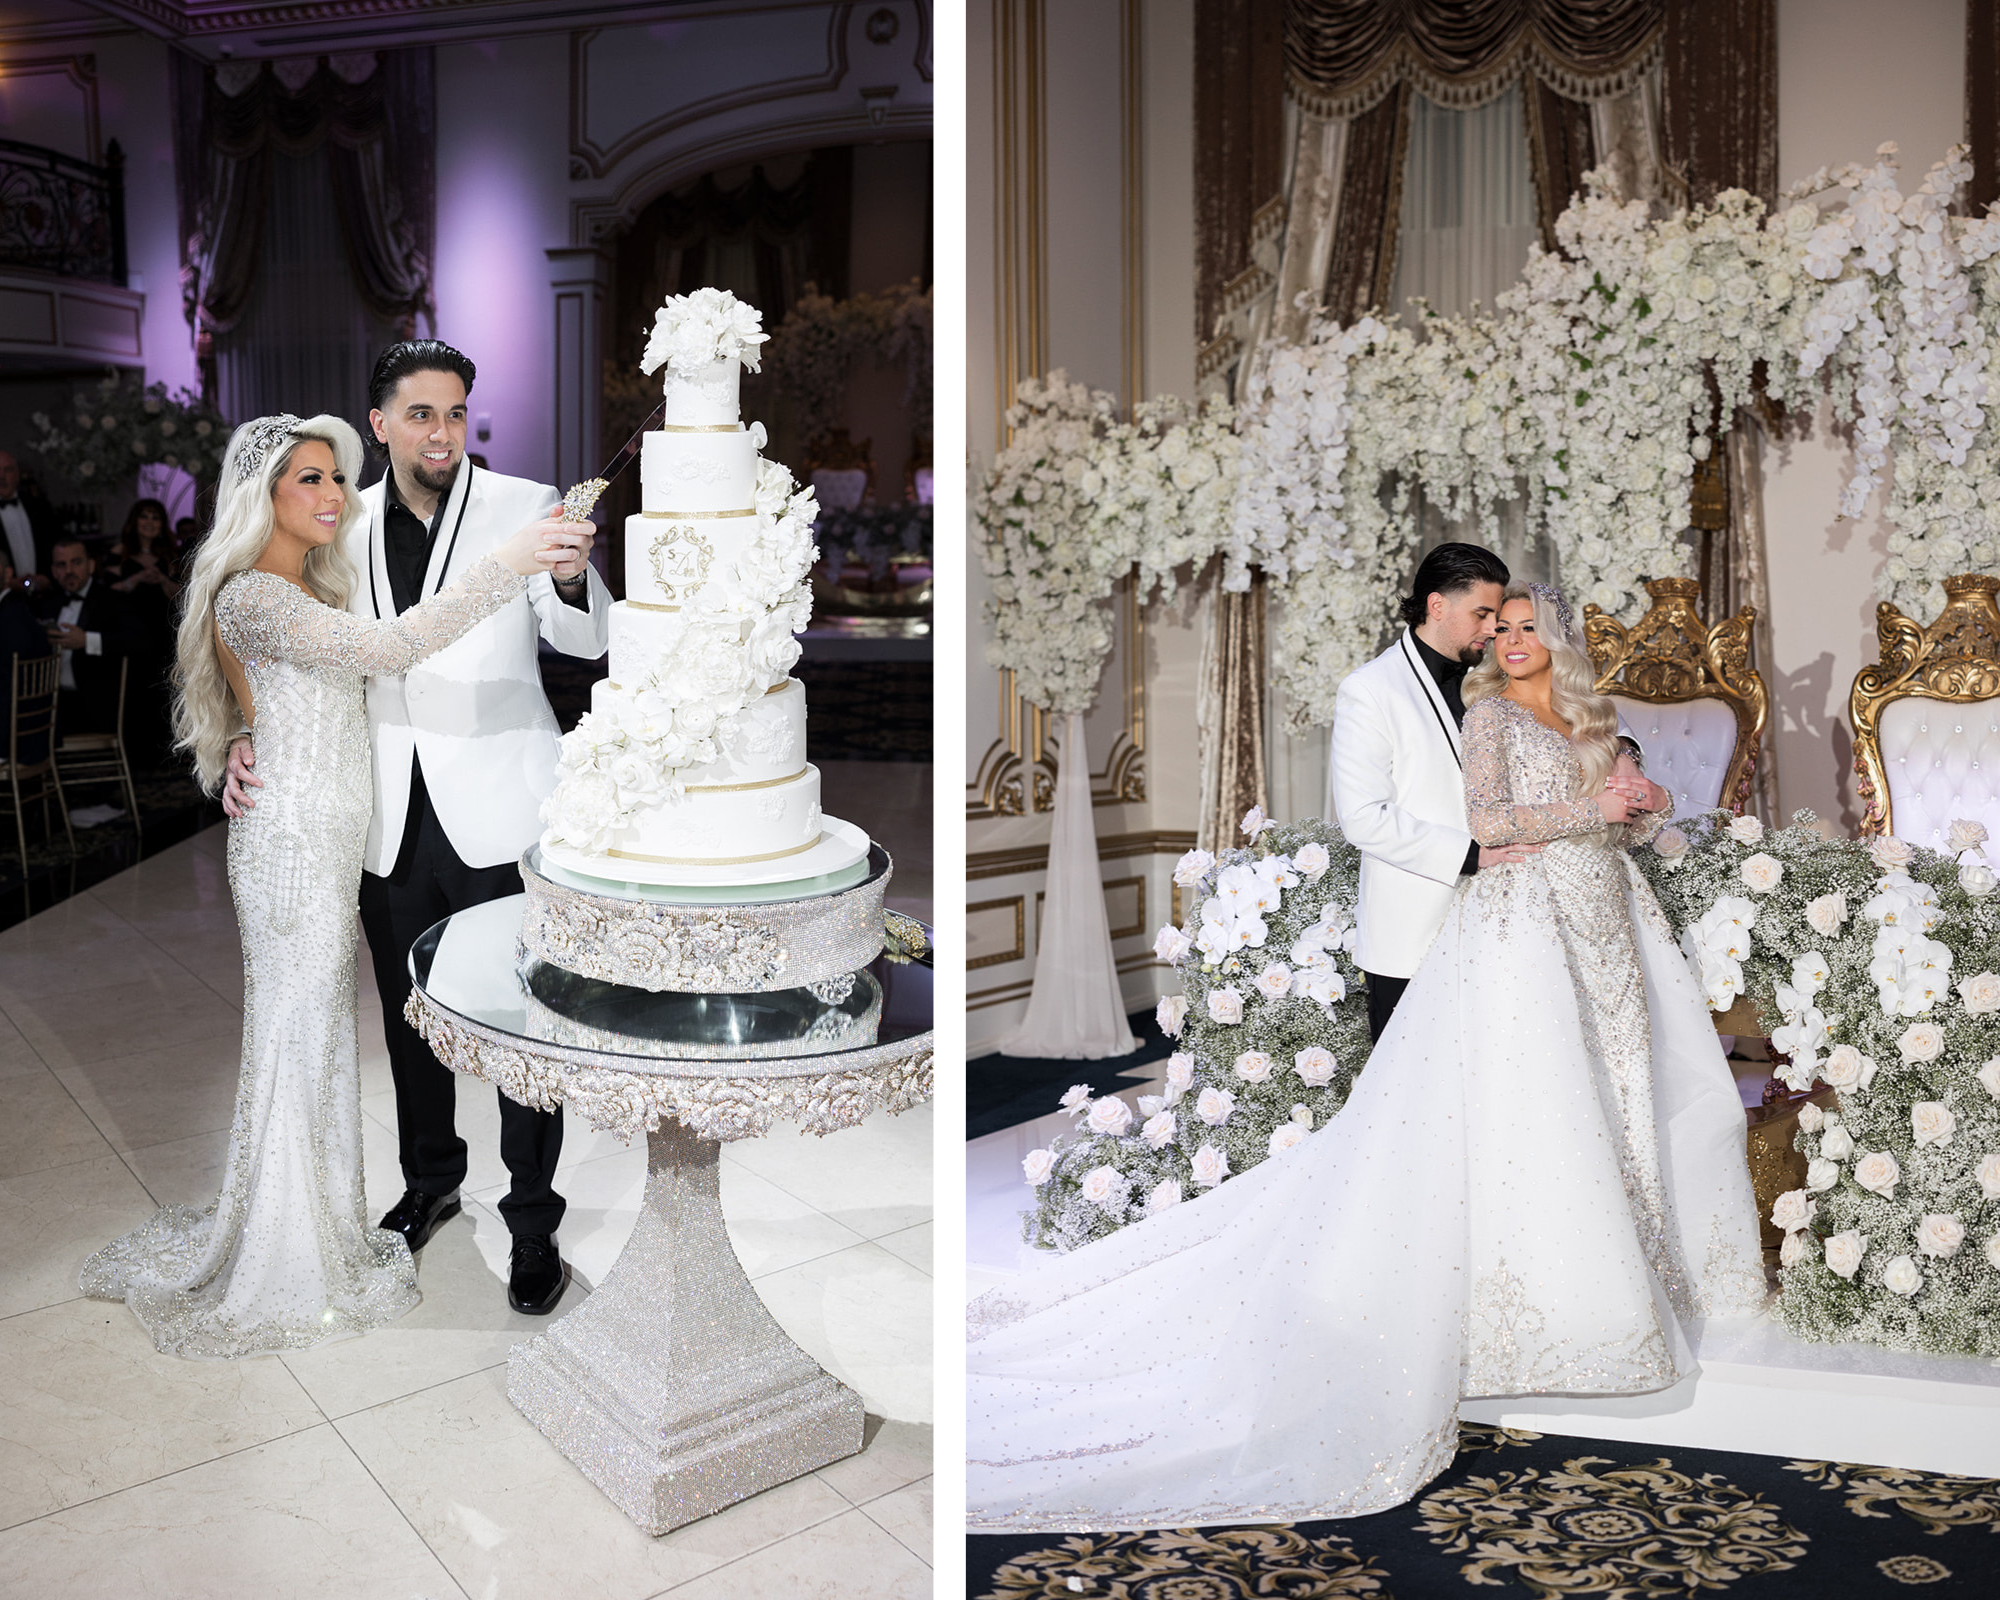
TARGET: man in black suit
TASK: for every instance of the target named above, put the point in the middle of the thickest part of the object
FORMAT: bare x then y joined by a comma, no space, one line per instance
27,528
21,635
89,627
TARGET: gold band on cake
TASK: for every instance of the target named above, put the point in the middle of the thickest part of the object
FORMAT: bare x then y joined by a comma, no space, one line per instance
731,788
647,605
715,861
696,516
706,427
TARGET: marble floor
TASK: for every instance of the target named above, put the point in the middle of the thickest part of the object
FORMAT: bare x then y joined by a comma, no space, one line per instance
393,1465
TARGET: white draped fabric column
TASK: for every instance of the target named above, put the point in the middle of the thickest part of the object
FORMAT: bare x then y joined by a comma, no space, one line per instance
1075,1009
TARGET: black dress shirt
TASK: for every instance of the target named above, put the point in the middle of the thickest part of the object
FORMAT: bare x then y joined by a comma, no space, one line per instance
1449,675
407,541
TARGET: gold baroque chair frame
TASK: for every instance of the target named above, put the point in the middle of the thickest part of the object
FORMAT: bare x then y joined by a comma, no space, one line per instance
1956,660
1670,657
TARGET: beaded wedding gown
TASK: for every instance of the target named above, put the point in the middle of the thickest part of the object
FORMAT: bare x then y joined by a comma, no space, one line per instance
1539,1177
285,1256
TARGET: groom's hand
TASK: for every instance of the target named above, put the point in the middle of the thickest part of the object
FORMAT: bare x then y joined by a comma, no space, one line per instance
1504,854
238,779
575,540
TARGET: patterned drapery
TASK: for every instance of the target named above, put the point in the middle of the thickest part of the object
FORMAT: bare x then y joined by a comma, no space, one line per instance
1238,141
1982,102
1721,96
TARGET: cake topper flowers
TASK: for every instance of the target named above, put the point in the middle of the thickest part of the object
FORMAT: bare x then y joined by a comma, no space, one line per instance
692,330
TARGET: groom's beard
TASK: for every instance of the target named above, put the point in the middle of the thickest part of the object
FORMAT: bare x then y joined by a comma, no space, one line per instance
1472,655
432,480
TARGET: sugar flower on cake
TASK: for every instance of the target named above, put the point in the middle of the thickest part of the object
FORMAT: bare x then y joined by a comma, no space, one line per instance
692,330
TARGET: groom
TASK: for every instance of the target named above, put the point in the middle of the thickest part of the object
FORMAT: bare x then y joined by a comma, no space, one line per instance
464,749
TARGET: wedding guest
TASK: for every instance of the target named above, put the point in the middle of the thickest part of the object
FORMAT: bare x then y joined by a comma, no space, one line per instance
21,636
90,628
145,567
28,526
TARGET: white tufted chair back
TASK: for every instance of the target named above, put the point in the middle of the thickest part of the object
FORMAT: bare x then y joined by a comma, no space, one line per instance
1942,760
1689,746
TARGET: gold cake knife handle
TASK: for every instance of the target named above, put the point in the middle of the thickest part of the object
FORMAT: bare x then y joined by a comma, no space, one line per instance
577,503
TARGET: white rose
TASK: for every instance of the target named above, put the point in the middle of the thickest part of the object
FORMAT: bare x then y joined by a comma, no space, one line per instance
1988,1174
1793,1250
1932,1123
1165,1193
1211,1166
1901,1277
1225,1005
1253,1066
1890,853
1921,1041
1275,981
1793,1210
1038,1164
1171,944
1170,1013
1843,1067
1977,880
1822,1175
1110,1115
1836,1144
1159,1130
1255,822
1963,835
1151,1105
1286,1135
1180,1073
1670,844
1076,1099
1992,1248
1107,1188
1940,1236
1980,992
1312,861
1746,829
1844,1252
1989,1077
1315,1066
1214,1106
1762,872
1827,914
1811,1117
1878,1173
1189,870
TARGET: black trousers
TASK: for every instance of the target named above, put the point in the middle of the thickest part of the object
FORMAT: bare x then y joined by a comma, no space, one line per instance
427,884
1383,993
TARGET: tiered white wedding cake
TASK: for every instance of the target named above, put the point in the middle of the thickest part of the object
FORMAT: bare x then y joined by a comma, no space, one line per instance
689,768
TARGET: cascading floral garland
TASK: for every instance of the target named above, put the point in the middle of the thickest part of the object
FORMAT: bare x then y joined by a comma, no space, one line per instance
1589,395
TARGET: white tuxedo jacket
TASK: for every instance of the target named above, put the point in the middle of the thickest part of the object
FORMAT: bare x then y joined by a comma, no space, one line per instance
474,714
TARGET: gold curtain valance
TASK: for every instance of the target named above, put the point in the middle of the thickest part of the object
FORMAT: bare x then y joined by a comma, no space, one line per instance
1342,57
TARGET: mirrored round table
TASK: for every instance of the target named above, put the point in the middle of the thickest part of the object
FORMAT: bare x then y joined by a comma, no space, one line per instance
670,1386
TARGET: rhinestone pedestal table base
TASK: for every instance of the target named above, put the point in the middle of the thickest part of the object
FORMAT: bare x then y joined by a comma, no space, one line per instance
671,1387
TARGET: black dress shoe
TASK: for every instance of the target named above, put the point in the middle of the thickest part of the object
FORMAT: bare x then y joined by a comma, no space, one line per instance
416,1216
538,1275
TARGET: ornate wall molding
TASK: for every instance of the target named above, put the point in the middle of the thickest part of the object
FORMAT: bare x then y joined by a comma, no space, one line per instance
81,72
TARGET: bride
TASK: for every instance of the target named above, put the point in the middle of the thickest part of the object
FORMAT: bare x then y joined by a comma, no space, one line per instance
1538,1180
284,1256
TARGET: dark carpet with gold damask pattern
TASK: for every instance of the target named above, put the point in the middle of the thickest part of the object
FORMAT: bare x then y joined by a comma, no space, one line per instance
1548,1517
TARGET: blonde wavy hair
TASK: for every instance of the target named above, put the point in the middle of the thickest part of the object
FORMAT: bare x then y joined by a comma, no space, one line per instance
1573,696
206,715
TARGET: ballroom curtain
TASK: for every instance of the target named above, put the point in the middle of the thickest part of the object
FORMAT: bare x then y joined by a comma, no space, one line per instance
1238,142
1361,272
1468,207
1749,577
371,114
1230,714
1721,96
1982,102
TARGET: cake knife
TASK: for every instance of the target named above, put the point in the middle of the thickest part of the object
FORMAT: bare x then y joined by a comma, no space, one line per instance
577,503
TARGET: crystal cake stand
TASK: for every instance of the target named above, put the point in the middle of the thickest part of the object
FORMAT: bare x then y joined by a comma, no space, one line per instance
671,1387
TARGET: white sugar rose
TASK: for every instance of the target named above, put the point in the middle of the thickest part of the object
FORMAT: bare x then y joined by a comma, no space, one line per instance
1989,1077
1940,1236
1836,1144
1963,835
1827,914
1878,1173
1253,1066
1921,1041
1038,1164
1746,829
1793,1250
1822,1174
1190,869
1988,1174
1275,981
1811,1117
1793,1210
1110,1115
1901,1277
1932,1123
1844,1252
1165,1193
1890,853
1171,944
1981,993
1312,861
1170,1013
1214,1106
1670,844
1180,1073
1287,1135
1225,1005
1159,1130
1107,1188
1315,1065
1762,872
1211,1166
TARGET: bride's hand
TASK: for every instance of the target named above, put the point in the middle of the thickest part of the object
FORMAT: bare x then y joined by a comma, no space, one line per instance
1617,804
542,545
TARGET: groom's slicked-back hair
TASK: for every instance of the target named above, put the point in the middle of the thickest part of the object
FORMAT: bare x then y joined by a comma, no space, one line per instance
416,355
1451,569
